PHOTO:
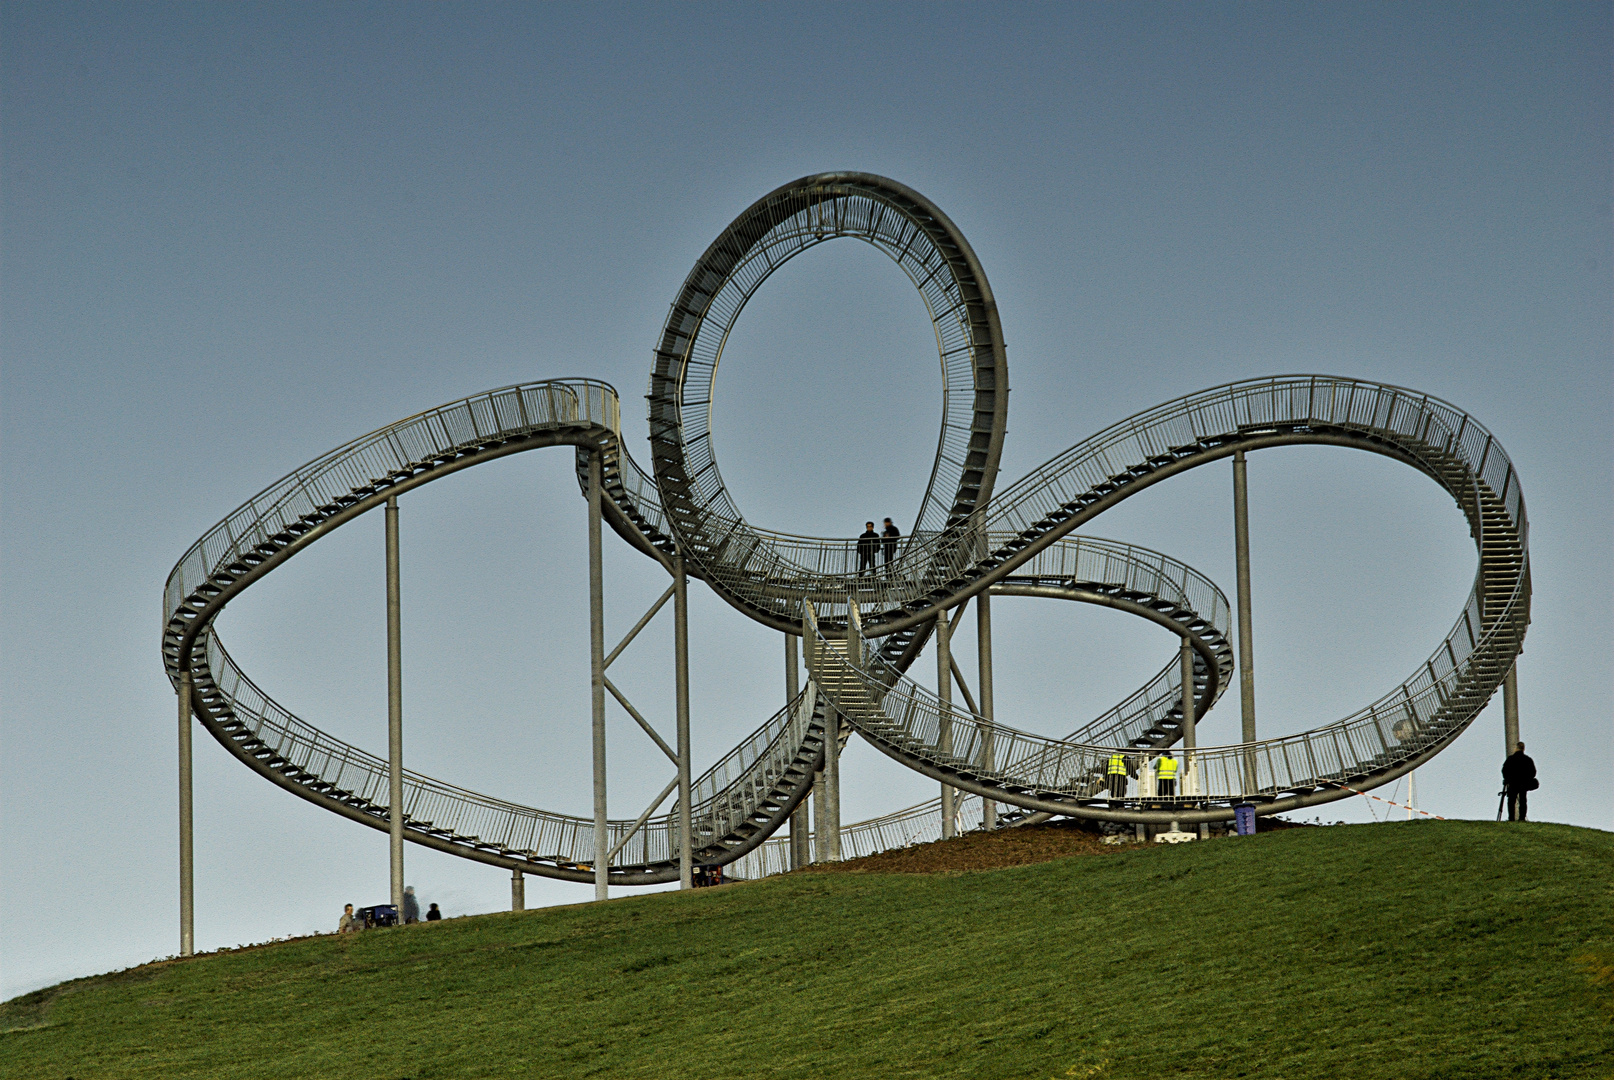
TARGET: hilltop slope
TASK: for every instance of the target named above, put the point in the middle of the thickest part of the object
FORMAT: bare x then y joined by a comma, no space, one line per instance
1426,949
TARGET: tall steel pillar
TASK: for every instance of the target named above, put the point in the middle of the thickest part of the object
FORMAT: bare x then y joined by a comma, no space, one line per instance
809,655
944,689
1190,737
518,891
820,829
1241,554
596,642
799,837
187,865
686,836
832,750
983,654
1510,708
832,795
395,807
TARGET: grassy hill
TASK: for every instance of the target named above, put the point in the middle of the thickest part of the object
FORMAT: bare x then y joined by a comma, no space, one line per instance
1425,949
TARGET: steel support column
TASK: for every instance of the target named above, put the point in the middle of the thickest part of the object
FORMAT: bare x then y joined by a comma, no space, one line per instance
820,830
809,646
518,891
1190,737
983,654
832,749
686,849
395,807
832,790
187,866
1510,709
944,690
1187,675
596,642
1241,554
799,855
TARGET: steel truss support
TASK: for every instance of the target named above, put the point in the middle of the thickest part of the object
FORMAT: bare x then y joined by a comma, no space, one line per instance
831,824
800,838
1510,709
638,822
944,689
983,653
395,799
622,700
686,837
1246,631
678,592
820,826
820,786
187,864
596,642
1190,739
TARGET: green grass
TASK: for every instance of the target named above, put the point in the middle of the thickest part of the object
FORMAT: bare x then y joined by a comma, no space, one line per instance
1438,949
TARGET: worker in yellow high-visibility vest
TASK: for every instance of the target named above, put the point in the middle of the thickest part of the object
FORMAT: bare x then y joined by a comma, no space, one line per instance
1166,775
1117,771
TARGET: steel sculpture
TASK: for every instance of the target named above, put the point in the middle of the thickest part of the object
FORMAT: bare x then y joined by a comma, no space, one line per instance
860,635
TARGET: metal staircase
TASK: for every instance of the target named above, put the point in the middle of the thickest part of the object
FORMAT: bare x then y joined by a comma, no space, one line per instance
1389,737
966,540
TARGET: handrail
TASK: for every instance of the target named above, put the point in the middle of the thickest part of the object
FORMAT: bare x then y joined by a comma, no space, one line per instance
375,458
1402,724
909,716
963,543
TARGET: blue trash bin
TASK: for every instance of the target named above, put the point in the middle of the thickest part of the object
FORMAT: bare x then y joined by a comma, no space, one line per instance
1244,819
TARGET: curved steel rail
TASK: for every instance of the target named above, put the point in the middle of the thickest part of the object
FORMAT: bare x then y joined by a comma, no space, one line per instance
1389,737
1016,544
734,804
765,574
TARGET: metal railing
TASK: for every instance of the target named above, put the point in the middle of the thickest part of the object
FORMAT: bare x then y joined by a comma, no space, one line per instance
1110,567
379,459
785,573
1420,715
723,798
777,572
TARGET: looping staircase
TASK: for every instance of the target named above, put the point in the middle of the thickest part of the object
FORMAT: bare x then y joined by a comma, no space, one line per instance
1390,737
1022,543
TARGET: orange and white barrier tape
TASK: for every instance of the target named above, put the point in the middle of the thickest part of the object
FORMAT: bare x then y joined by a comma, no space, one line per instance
1388,802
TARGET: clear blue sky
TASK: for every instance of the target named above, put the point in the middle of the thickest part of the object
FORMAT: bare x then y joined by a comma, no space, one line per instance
235,236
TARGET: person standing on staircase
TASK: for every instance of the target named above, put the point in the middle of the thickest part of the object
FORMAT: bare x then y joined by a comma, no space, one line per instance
1117,771
1166,773
868,545
1518,780
891,534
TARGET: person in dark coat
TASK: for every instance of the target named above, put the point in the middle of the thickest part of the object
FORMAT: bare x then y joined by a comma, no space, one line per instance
867,545
432,914
411,911
891,534
1518,780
